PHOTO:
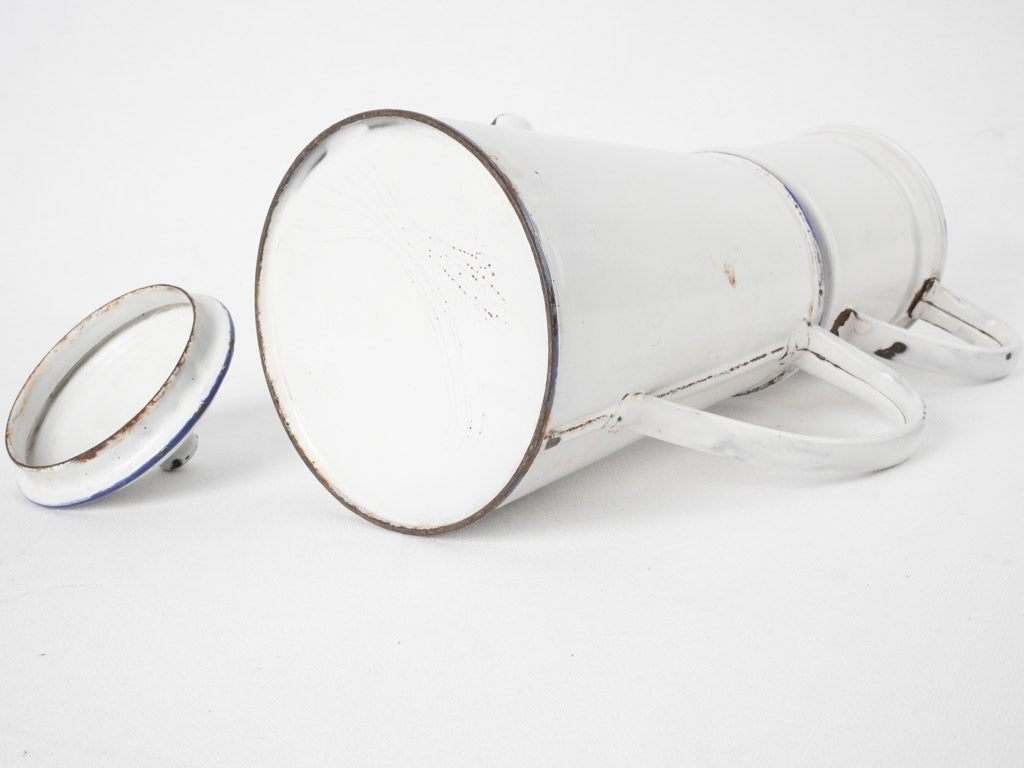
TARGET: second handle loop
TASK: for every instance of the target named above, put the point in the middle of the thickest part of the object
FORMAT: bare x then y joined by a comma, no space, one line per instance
981,346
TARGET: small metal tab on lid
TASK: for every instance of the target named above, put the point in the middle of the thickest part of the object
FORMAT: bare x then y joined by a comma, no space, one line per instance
119,394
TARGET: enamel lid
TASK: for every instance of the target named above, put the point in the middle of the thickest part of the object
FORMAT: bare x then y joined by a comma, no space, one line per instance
119,394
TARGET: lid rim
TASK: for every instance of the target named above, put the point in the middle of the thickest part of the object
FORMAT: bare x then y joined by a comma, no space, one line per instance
207,354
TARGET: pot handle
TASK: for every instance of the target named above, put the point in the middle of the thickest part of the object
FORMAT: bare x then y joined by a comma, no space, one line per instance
824,356
982,347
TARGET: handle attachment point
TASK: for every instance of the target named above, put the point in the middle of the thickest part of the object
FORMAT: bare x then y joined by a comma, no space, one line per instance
814,351
981,347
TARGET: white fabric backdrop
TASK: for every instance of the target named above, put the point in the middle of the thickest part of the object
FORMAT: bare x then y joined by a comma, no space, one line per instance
661,608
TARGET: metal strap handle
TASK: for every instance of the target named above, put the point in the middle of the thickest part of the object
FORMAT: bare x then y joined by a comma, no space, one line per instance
824,356
982,347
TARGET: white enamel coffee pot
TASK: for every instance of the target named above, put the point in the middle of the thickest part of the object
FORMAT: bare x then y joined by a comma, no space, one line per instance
882,234
451,315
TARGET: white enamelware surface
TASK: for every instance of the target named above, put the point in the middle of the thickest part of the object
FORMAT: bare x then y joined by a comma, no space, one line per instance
404,323
111,385
882,232
439,301
874,212
660,607
117,395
